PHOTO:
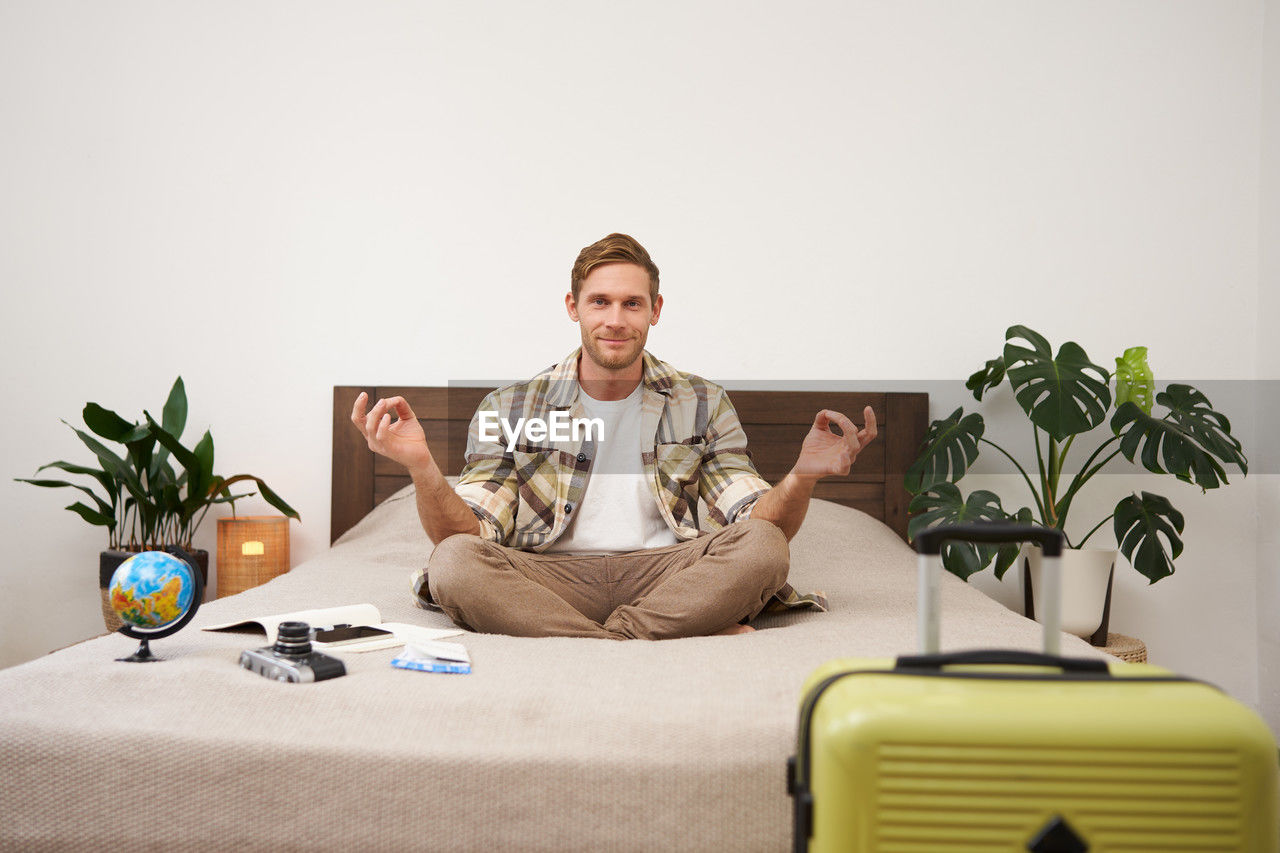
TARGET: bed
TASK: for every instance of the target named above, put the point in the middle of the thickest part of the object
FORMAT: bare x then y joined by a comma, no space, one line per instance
550,744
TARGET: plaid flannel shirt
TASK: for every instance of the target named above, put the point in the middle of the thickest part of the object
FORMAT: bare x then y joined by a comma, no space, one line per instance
695,462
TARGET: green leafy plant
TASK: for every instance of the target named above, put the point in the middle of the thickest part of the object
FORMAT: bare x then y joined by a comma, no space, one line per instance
137,494
1066,396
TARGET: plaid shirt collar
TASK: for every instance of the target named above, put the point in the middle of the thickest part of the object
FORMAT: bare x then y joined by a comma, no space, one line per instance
656,376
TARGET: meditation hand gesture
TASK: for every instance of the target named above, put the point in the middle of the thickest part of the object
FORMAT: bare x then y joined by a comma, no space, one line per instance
824,453
402,441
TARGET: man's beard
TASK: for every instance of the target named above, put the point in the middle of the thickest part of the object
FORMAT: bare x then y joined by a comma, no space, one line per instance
616,360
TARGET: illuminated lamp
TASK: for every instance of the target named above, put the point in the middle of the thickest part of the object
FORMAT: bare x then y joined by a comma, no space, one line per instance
252,549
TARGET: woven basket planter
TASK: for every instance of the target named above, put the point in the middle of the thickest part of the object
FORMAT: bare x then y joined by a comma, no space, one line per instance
1129,649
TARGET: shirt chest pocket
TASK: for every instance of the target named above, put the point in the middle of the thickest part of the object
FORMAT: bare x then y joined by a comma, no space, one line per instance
537,476
679,467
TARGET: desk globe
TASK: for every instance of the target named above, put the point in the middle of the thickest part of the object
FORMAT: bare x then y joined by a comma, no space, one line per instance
155,594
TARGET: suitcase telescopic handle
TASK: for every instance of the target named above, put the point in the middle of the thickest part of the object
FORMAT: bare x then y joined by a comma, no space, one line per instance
929,550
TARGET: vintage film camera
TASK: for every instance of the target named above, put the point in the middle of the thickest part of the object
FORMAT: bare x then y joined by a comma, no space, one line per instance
291,658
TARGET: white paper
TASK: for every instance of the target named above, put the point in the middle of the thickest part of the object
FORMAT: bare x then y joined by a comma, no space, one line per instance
452,652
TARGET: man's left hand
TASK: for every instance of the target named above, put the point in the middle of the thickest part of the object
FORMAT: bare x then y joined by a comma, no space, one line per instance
826,454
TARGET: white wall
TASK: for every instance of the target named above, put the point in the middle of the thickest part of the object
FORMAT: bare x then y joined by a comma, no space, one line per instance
272,199
1269,368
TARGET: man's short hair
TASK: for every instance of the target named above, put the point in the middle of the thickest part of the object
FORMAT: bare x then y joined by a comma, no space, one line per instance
614,249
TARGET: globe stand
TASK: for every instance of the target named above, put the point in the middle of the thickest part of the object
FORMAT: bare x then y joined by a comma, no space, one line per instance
143,653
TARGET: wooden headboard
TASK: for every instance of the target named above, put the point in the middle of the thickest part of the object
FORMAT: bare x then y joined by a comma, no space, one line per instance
775,422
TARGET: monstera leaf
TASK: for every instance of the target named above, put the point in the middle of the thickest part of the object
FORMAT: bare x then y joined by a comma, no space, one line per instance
991,375
1062,395
1191,441
1139,523
943,504
1134,381
950,446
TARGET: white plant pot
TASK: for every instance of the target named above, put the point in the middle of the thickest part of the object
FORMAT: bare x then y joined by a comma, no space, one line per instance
1085,579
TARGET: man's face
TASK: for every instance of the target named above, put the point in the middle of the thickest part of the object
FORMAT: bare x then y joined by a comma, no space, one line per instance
614,312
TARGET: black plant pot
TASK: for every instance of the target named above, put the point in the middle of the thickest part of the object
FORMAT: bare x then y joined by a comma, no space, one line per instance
109,561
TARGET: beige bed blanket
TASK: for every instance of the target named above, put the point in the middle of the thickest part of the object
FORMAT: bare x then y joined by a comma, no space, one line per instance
550,744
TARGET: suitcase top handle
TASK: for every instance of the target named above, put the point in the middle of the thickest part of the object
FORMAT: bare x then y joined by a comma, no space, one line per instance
929,542
1003,656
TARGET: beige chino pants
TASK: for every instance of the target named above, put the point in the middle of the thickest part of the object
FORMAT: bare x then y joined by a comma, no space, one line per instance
689,589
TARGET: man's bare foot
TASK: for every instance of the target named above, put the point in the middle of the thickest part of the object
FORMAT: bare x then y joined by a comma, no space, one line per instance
734,629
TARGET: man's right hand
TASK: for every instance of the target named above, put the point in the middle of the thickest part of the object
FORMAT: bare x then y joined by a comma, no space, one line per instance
440,510
402,441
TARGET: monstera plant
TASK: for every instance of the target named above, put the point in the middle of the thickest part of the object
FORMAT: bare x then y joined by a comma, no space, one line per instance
1070,400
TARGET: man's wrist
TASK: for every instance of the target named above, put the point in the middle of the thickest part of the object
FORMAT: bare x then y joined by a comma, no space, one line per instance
427,474
804,481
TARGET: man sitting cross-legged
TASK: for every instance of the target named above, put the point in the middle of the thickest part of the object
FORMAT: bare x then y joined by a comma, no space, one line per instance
594,532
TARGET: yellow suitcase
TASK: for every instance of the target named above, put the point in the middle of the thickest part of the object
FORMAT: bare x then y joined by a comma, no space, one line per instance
1018,751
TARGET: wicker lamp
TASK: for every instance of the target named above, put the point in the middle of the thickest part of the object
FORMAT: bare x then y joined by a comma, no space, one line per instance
252,549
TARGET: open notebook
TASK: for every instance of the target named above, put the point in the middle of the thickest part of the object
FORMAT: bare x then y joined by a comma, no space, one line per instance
351,614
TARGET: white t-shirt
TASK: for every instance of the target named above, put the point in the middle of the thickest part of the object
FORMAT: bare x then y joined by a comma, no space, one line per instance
617,512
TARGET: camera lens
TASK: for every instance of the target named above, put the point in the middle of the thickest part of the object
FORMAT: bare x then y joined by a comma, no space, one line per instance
293,639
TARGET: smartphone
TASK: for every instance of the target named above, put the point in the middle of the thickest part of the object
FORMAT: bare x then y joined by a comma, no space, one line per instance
350,634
